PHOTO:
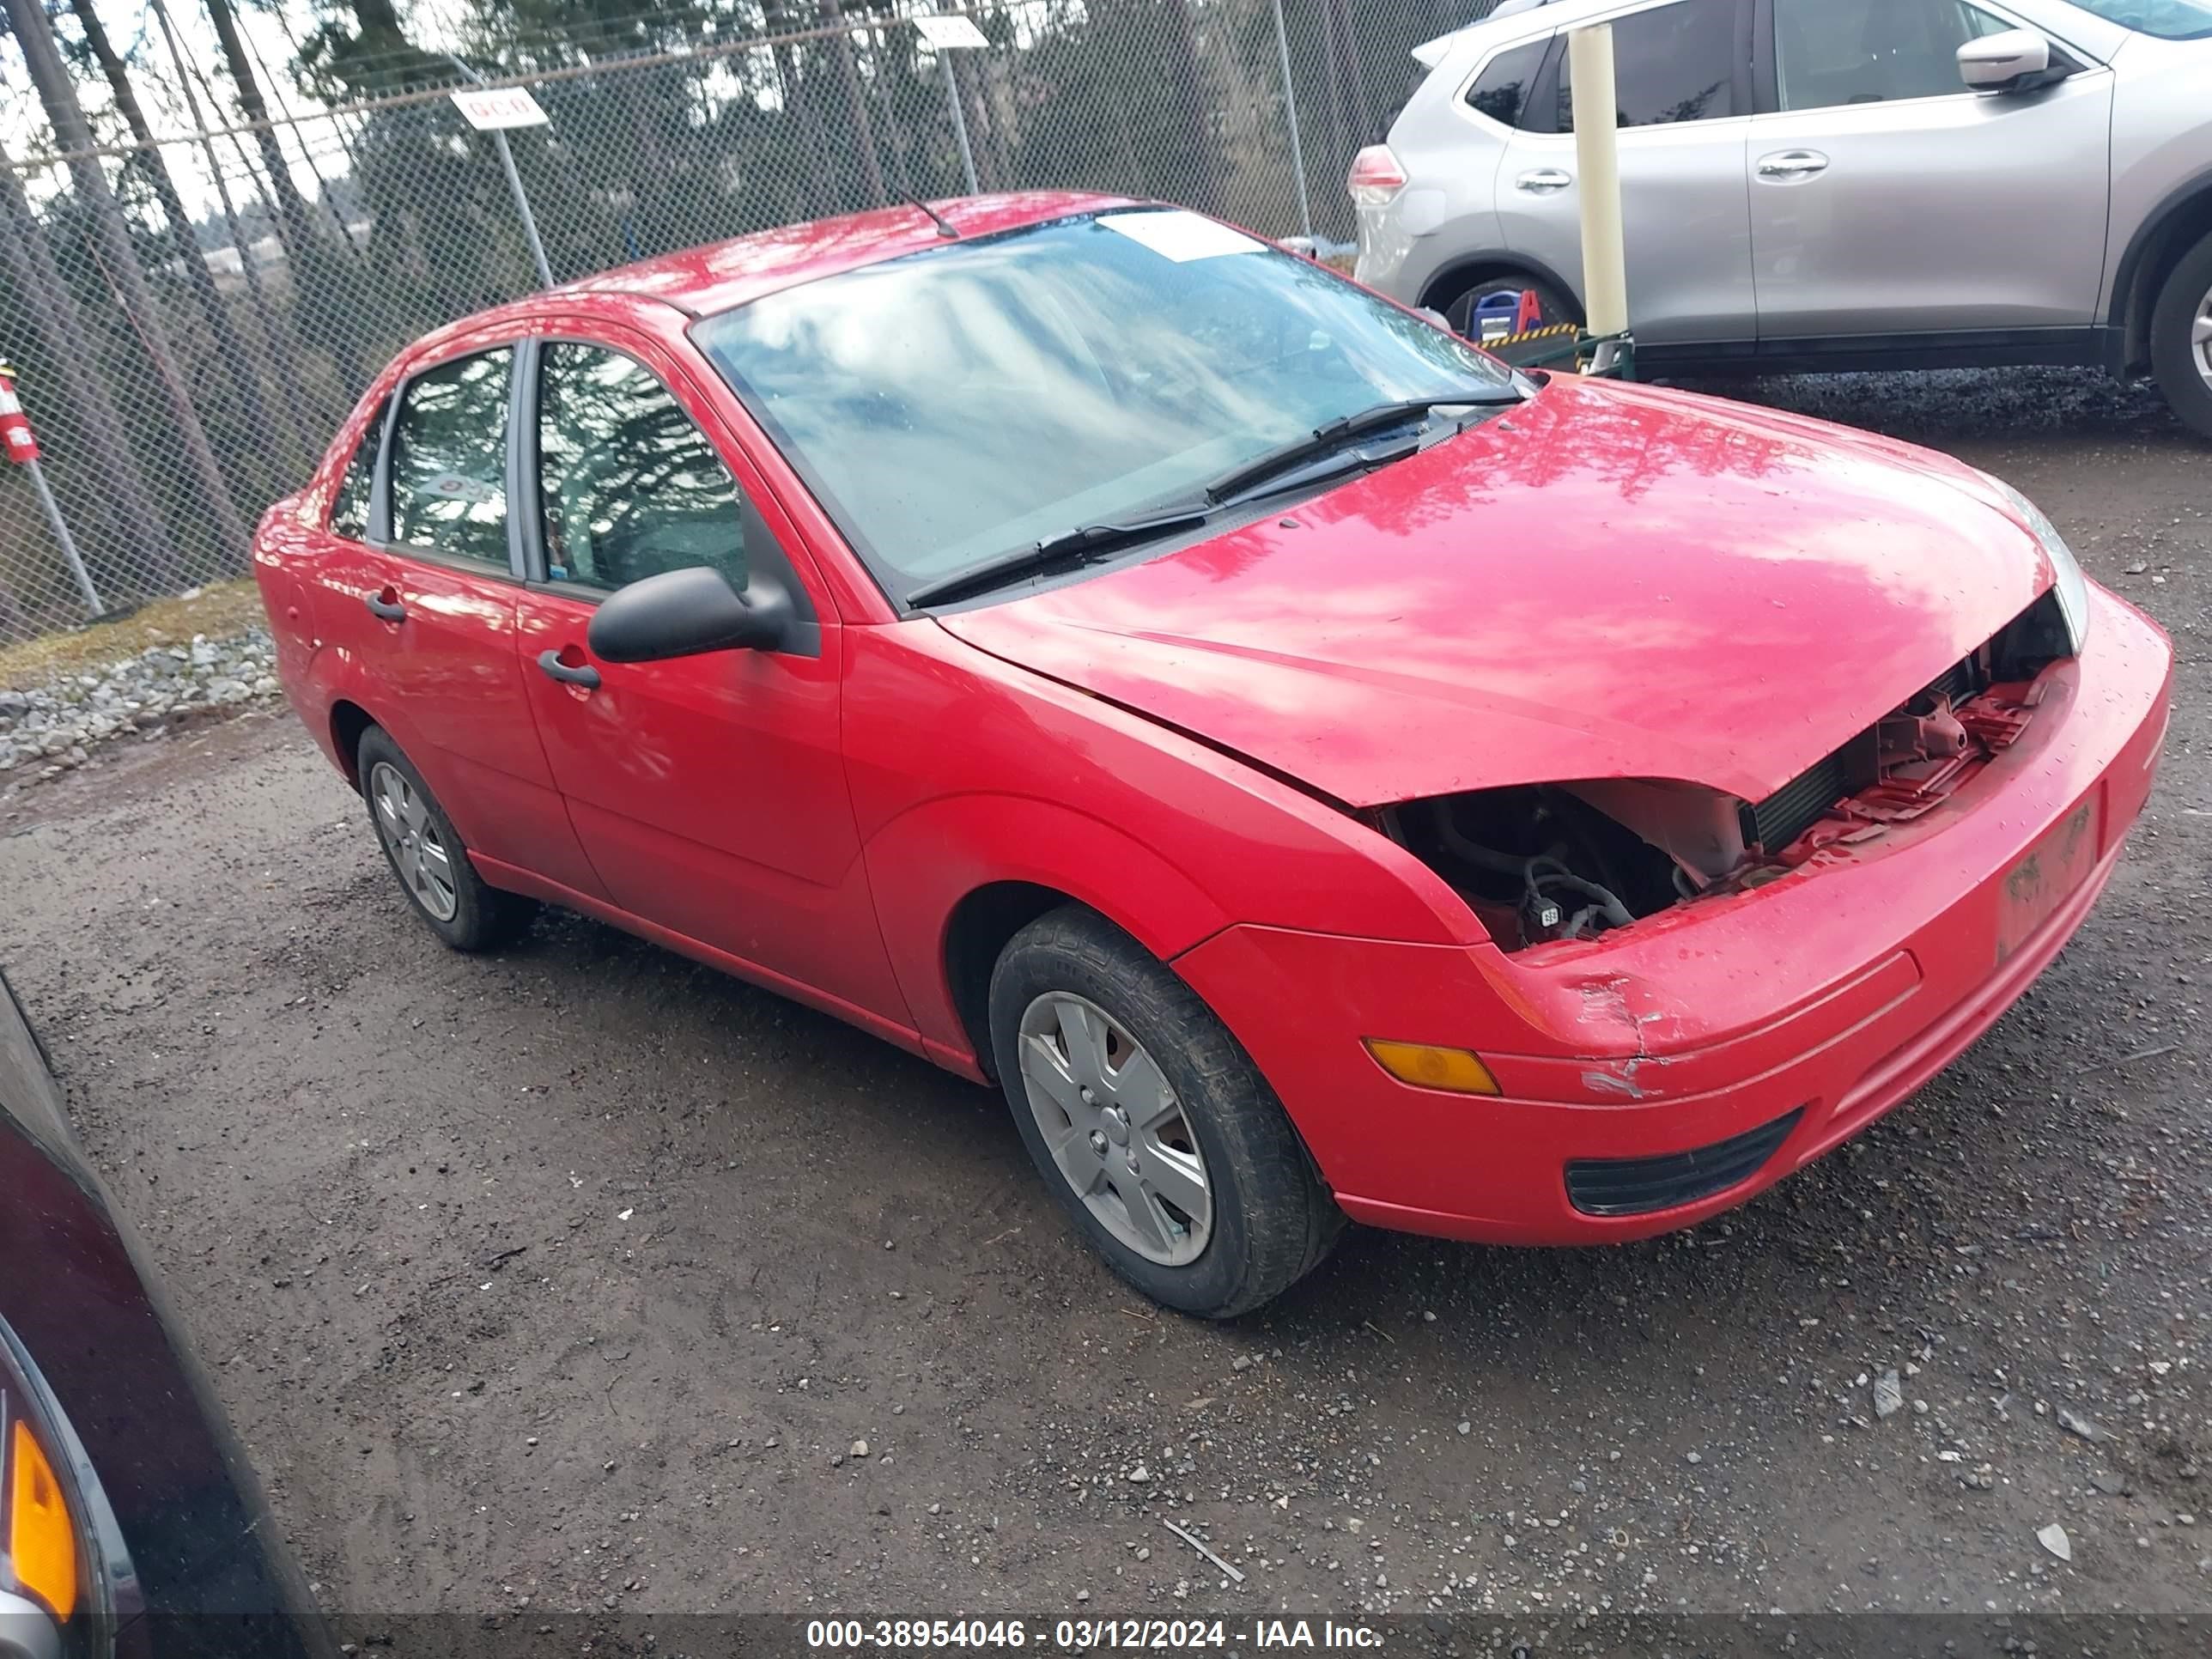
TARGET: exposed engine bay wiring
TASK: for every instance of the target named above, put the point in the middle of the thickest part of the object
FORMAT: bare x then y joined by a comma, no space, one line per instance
1547,863
1539,873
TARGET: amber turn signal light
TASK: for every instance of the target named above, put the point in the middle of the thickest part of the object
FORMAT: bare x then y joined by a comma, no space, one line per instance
1460,1071
41,1537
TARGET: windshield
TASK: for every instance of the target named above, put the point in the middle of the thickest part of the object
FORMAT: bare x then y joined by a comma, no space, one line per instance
2169,19
951,406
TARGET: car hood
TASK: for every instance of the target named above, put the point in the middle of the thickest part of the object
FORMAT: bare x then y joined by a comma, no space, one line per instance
1608,581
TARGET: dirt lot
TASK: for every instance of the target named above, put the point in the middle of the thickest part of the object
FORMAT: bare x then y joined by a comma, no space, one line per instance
568,1278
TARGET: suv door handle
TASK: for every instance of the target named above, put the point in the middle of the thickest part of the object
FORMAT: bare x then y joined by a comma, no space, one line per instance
1792,164
581,674
385,602
1542,181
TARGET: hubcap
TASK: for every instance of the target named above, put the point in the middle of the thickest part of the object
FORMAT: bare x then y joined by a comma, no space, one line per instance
2200,338
1115,1129
403,823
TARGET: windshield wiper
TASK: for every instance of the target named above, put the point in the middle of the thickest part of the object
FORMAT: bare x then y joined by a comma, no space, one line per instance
1336,434
1075,546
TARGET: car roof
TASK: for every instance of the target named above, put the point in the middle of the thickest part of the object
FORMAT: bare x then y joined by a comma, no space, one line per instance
703,280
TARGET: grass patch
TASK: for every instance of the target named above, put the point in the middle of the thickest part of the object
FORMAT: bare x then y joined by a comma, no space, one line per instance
217,610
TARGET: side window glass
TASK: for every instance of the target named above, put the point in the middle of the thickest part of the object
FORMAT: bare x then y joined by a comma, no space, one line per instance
1826,55
630,487
1671,63
449,459
1501,91
349,508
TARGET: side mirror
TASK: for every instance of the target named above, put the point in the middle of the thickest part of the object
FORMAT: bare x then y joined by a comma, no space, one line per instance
2009,61
684,613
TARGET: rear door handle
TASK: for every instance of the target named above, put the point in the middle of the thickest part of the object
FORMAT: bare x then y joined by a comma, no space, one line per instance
581,674
1543,181
1792,164
385,602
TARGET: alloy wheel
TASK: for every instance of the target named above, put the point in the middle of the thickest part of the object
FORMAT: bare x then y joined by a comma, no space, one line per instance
410,837
1115,1129
2200,338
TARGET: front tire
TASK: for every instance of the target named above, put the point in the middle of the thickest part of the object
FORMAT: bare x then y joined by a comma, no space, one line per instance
2181,339
427,854
1151,1126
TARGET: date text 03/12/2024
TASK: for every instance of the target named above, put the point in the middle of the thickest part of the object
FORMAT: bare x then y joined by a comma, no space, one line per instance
1084,1635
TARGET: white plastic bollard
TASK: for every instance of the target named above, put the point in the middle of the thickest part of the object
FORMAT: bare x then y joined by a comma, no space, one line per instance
1597,159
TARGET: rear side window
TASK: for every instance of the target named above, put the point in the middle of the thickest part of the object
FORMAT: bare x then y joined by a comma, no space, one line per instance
349,508
1501,91
449,459
1674,63
629,486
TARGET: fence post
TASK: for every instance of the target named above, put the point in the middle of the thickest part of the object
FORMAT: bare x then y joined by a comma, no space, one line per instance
59,526
946,35
1291,120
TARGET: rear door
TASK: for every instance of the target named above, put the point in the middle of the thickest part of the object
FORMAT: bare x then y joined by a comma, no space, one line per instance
1682,74
425,603
708,791
1887,199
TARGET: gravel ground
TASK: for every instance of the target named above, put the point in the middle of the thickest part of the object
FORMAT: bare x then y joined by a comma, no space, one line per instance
51,725
572,1279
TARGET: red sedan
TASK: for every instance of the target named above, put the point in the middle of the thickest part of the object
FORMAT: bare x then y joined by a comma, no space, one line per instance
1314,769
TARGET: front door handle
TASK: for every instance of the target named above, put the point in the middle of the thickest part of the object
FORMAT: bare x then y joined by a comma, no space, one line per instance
1543,181
1792,164
385,602
581,674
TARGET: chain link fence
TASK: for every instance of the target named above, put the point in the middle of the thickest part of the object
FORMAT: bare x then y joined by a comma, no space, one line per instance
185,365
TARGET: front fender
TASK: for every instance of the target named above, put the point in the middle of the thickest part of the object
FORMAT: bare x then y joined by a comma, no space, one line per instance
924,862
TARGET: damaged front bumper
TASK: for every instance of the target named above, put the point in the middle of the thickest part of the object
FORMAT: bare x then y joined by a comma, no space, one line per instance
1732,1040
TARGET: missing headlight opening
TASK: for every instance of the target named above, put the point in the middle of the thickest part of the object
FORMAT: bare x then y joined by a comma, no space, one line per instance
1549,862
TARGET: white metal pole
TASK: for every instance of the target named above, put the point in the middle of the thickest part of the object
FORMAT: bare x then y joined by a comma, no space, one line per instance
60,527
1290,118
1597,159
514,187
959,119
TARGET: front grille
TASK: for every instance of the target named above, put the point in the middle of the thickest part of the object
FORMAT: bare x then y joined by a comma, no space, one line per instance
1955,686
1798,804
1638,1186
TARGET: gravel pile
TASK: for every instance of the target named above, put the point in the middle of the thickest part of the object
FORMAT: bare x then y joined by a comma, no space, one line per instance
50,728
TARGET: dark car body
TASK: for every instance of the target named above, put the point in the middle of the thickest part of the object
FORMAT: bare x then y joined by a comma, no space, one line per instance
175,1551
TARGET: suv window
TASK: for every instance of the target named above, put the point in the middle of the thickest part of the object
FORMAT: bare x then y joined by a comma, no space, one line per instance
449,459
1501,92
629,486
1671,63
1876,53
349,507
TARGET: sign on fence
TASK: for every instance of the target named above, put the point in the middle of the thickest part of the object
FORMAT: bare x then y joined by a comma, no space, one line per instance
495,109
943,32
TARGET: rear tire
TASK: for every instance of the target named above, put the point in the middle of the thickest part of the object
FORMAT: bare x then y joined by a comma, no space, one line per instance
426,855
1194,1185
2181,339
1558,307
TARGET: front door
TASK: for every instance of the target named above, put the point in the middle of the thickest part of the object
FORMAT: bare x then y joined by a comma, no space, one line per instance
708,791
1682,79
1887,199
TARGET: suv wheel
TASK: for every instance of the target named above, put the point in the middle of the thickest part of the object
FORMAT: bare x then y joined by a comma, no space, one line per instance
1154,1130
1557,307
2181,339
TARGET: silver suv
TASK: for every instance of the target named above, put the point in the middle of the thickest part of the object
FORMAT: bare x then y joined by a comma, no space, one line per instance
1831,183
